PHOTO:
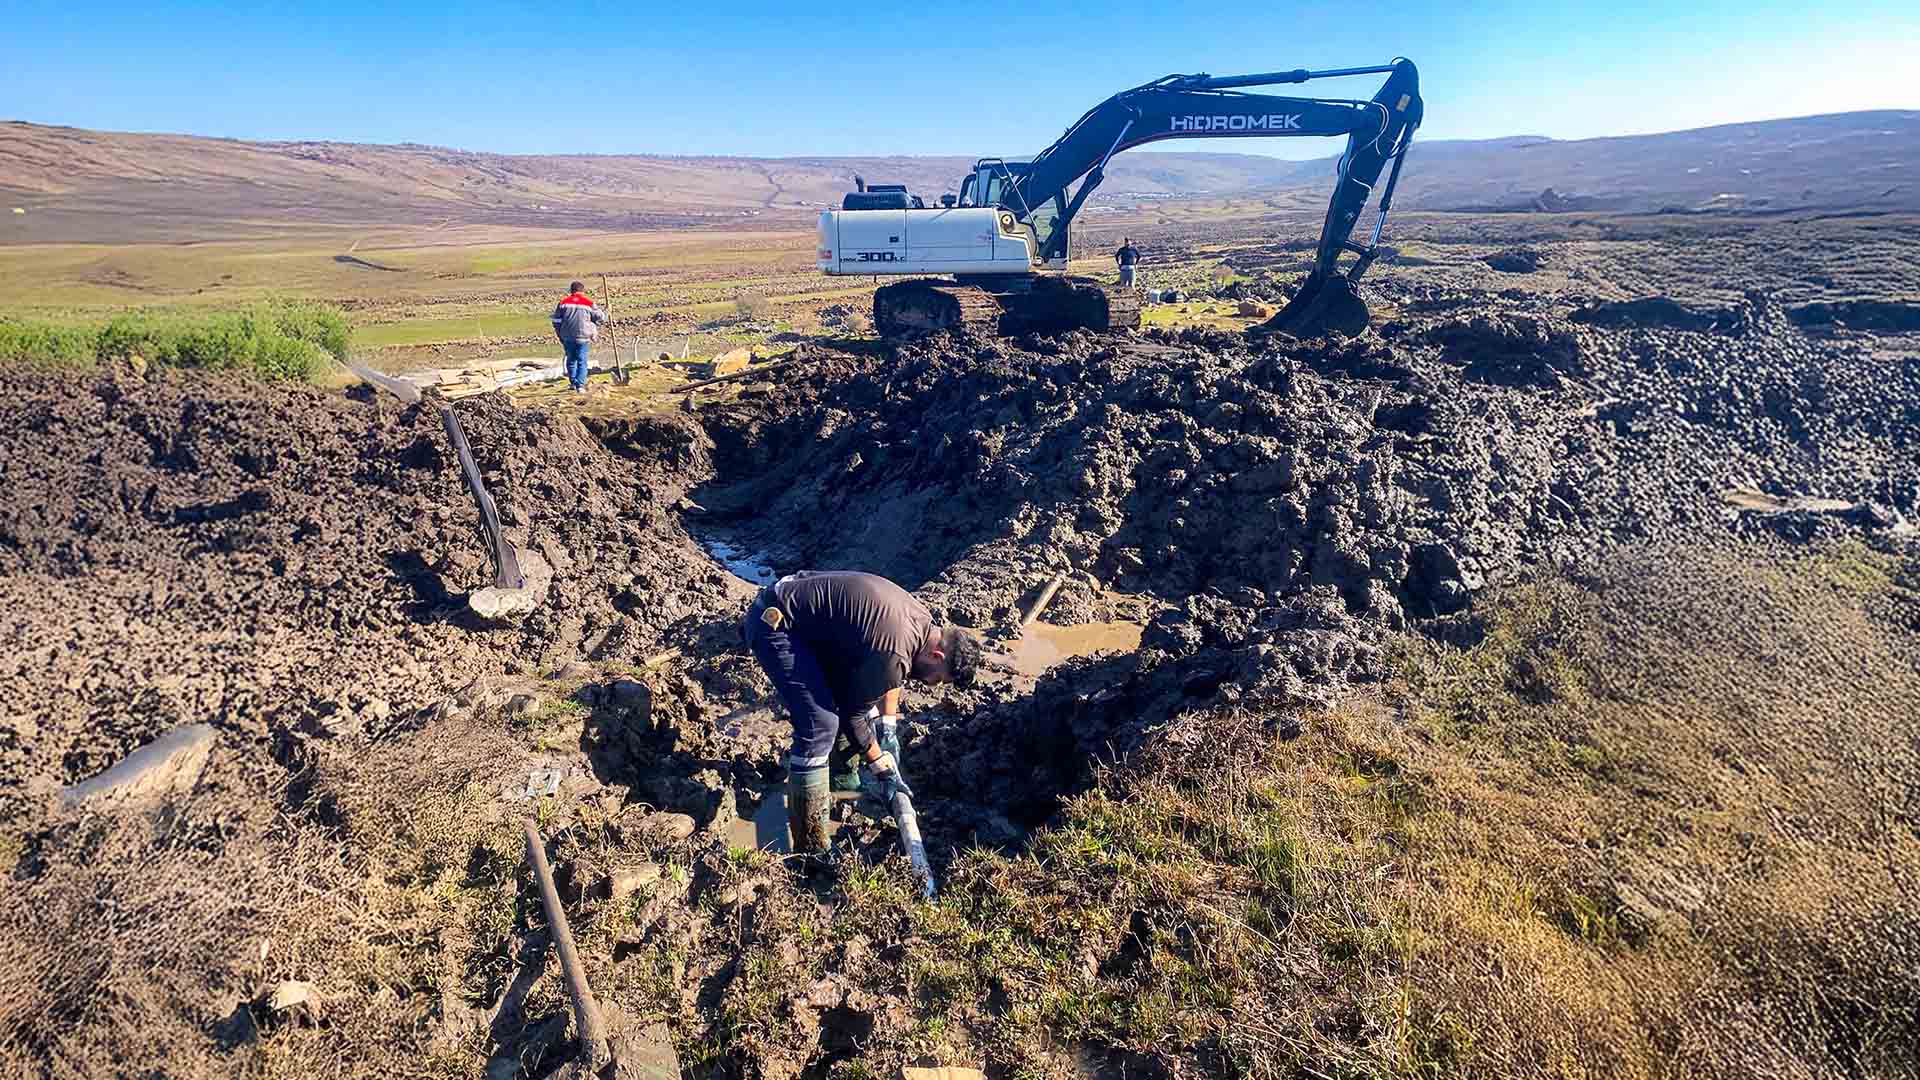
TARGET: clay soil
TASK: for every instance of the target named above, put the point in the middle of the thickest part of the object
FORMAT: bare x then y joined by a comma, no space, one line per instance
1381,563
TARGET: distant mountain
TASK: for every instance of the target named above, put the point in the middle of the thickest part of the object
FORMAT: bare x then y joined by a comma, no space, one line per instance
89,185
1842,161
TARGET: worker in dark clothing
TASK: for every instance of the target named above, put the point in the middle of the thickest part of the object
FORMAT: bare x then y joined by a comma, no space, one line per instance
1127,256
838,646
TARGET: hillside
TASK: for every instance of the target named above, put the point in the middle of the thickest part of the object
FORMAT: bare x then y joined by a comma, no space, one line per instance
86,185
1861,160
77,185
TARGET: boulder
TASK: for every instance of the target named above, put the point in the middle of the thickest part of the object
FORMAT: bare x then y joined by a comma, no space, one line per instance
169,765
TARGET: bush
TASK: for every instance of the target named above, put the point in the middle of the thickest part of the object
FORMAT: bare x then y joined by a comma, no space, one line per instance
45,343
276,340
753,306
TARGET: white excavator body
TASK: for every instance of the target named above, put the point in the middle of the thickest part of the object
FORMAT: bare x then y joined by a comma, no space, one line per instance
941,240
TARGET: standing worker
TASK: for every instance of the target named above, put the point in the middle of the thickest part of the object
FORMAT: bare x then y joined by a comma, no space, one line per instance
838,645
1127,256
576,322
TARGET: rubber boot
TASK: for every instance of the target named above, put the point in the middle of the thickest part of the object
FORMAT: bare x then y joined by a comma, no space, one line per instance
808,801
845,765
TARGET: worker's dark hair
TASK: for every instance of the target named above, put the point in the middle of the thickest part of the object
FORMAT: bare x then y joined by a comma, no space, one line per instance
964,652
576,286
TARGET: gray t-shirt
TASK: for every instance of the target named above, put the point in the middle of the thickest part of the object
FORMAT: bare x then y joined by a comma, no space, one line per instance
862,628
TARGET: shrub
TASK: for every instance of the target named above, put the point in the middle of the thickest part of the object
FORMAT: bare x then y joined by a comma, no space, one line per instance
753,306
44,343
276,339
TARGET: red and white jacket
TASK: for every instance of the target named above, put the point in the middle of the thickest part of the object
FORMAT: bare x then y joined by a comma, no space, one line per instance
576,319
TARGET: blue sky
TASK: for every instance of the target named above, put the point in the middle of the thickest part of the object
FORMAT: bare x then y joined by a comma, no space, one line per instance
868,77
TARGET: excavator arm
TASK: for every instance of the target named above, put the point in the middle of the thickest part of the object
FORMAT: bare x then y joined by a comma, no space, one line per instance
1378,131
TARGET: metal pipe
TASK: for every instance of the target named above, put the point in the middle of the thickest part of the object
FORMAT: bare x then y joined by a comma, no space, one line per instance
1045,598
909,823
506,561
586,1012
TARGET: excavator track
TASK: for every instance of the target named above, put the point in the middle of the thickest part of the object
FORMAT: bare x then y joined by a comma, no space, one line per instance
921,306
1047,304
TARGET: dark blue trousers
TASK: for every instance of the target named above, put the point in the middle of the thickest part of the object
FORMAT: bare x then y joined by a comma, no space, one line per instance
576,362
801,684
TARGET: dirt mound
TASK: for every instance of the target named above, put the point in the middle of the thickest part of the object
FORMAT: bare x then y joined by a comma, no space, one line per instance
1516,261
1655,312
287,562
1882,316
287,565
1288,504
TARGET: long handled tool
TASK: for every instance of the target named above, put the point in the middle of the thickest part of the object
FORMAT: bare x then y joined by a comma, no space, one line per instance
509,593
586,1011
619,369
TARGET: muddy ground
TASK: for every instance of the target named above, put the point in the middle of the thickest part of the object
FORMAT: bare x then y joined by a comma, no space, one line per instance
289,566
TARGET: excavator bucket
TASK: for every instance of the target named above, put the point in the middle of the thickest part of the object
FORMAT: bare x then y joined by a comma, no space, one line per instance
1328,304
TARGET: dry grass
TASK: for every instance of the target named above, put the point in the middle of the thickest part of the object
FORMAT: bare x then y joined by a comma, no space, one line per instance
1656,821
1670,805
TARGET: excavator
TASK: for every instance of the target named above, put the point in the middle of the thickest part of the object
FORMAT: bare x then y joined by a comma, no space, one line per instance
1001,242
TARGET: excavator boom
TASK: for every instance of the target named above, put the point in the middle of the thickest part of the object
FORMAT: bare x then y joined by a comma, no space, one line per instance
1378,131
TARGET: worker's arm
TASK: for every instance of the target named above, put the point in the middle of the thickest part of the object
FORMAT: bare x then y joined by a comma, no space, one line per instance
889,706
599,317
877,689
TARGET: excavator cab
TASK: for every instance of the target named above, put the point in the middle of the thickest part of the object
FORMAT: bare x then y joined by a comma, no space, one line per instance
995,182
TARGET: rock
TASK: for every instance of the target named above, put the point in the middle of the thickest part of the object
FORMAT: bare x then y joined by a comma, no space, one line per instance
507,605
169,765
692,695
473,693
944,1072
645,1053
1253,309
572,671
524,704
296,1000
376,710
633,696
628,880
672,826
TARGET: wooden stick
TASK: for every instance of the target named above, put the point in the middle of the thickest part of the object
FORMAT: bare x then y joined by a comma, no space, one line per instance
729,378
586,1012
1045,598
659,658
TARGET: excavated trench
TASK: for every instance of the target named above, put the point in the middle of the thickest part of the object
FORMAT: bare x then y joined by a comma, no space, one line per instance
289,564
1245,524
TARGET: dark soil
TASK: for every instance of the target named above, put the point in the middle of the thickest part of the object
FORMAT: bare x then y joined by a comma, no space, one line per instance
288,564
1288,505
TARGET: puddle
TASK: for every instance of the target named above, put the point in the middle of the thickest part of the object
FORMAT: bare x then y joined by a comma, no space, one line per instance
740,562
766,830
1045,645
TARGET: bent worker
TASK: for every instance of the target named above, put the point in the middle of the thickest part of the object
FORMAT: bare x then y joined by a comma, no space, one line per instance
576,322
1127,256
838,646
